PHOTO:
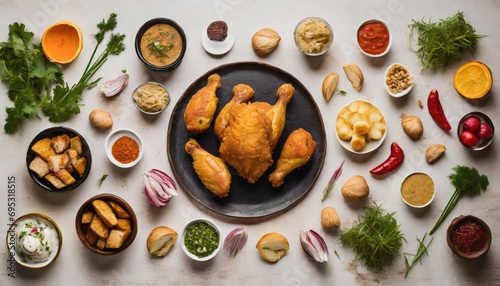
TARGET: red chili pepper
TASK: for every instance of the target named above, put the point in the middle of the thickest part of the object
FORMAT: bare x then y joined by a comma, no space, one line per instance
436,110
395,160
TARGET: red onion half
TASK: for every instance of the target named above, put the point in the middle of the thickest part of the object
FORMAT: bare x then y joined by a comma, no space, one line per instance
159,187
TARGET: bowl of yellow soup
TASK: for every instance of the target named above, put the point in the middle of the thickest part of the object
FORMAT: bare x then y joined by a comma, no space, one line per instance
160,44
418,190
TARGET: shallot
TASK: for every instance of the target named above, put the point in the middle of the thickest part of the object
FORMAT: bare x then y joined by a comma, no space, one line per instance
314,245
235,240
113,86
159,187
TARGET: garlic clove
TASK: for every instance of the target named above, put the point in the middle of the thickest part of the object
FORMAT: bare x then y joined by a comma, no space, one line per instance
329,85
354,75
314,245
355,188
434,152
235,240
113,86
329,217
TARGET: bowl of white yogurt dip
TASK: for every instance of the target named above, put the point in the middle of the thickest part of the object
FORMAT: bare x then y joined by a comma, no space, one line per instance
34,240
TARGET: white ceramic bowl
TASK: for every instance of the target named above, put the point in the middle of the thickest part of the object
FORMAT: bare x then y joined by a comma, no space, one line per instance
405,91
371,145
14,232
191,255
113,137
417,190
390,38
216,48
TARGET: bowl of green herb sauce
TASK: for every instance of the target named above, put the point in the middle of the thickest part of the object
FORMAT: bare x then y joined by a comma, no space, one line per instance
201,239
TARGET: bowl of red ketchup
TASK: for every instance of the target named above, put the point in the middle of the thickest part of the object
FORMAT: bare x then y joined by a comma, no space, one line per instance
374,38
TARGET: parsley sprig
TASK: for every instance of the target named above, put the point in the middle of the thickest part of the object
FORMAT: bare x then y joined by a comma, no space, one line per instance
65,101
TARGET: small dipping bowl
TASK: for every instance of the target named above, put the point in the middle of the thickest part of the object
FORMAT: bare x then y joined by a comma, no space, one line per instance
198,228
111,140
160,44
62,42
374,38
418,190
484,119
216,48
313,36
121,209
469,237
408,84
50,230
151,98
84,161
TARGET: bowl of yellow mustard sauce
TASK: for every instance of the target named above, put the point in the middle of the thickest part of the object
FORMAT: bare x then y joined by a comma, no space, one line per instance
418,190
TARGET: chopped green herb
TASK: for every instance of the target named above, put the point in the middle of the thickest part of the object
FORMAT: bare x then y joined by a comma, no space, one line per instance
99,182
440,43
201,239
342,92
375,238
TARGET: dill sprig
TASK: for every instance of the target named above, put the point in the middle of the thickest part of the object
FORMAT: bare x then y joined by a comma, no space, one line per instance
440,43
417,257
375,238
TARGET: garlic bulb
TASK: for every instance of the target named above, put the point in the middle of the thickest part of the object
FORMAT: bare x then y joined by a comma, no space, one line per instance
100,119
329,217
412,126
355,188
113,86
265,41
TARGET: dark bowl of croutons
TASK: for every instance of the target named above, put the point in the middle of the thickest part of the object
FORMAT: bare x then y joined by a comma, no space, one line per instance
58,159
106,224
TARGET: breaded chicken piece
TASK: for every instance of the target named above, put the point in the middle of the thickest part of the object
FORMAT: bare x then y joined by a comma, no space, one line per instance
246,142
297,151
242,93
211,170
277,112
201,108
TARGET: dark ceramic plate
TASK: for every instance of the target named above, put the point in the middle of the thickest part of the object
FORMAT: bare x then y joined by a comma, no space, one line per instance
259,199
49,133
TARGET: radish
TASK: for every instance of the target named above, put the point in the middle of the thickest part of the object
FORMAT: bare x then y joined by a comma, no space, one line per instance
471,124
484,131
468,138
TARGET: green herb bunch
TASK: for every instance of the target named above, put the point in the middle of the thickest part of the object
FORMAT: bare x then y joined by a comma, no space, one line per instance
28,74
440,43
467,181
375,238
31,76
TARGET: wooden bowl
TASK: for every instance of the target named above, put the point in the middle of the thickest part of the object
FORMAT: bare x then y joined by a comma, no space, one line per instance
83,228
465,245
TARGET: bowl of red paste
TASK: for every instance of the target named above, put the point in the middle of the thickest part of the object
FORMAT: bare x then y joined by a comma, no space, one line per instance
374,38
469,237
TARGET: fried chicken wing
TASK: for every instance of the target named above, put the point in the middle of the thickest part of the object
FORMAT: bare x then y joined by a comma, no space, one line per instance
211,170
277,112
200,109
242,93
246,141
297,151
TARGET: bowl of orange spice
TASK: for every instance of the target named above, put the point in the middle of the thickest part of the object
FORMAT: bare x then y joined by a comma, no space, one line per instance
124,148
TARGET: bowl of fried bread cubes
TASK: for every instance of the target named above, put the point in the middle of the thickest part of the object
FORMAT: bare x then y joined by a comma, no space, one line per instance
106,224
58,159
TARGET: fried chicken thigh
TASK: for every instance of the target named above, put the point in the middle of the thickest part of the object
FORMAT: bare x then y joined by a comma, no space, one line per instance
211,170
242,93
297,151
201,108
246,141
